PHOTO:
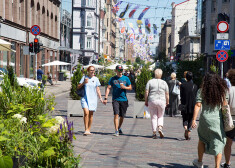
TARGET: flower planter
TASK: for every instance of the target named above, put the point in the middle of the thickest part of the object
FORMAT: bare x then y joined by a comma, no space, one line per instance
74,108
138,109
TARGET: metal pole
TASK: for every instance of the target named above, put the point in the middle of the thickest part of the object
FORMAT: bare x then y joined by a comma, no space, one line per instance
222,70
36,66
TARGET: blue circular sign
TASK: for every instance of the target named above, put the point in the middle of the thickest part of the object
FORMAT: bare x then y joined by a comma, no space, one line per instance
35,30
222,56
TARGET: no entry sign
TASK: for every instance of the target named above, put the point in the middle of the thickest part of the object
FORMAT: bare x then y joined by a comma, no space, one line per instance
35,30
222,27
222,56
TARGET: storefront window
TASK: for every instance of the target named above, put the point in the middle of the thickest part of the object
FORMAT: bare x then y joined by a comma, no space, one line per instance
43,59
4,63
22,62
13,56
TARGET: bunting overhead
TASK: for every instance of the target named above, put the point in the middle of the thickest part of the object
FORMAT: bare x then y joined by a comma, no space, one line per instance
133,11
154,29
116,7
143,13
148,25
122,14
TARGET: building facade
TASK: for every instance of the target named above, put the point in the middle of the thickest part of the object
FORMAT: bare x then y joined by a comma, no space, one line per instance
180,14
86,29
210,12
189,41
17,17
164,36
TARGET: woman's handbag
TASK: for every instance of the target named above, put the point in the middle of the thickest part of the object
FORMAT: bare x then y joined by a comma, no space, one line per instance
81,92
176,90
182,107
227,118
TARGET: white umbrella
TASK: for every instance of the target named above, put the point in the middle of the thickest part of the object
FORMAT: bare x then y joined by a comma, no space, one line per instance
151,67
56,63
114,66
5,46
94,65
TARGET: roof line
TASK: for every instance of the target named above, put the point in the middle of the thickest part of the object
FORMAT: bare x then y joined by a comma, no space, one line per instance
182,2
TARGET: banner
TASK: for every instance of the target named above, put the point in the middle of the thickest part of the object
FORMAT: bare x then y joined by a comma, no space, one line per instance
133,11
154,29
143,12
147,26
122,14
116,7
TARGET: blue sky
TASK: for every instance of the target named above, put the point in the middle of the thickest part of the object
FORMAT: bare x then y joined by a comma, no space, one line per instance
67,4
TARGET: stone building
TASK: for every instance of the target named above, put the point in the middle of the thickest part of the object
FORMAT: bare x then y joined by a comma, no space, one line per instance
17,17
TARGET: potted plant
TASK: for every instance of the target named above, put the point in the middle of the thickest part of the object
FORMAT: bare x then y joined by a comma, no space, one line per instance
142,80
44,80
74,105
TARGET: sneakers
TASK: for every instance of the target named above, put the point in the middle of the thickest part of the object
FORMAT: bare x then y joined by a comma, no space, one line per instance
198,164
225,165
116,133
154,136
120,131
161,133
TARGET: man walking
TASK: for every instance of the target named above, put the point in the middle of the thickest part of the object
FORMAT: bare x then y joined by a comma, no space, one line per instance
39,74
120,84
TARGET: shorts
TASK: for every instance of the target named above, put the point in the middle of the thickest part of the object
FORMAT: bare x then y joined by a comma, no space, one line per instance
120,107
231,134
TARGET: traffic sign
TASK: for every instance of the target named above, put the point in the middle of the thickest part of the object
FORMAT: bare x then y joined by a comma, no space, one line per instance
222,36
222,56
35,30
231,53
222,26
222,44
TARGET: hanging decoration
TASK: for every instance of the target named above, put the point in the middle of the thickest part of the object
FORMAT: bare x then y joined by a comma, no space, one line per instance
122,14
133,11
123,30
154,29
143,13
147,26
116,7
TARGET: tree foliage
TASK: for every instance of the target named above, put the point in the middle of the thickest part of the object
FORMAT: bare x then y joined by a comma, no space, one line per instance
142,80
77,76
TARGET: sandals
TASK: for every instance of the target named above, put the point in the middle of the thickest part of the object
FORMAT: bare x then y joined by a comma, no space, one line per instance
87,133
186,135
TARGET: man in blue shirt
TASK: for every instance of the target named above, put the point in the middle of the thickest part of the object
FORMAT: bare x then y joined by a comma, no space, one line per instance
39,74
120,84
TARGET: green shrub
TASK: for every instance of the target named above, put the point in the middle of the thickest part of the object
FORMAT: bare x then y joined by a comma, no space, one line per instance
77,76
142,80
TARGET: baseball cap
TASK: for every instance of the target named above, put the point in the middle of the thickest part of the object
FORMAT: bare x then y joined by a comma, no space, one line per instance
119,67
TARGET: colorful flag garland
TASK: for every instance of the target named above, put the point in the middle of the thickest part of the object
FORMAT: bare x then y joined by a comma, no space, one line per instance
122,14
133,11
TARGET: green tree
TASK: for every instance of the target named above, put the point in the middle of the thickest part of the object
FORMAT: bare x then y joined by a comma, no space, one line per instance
142,80
77,76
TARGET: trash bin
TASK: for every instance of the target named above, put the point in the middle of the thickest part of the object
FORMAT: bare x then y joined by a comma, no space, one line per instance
61,76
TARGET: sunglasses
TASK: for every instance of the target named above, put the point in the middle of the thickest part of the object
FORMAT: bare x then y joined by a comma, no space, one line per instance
92,70
120,70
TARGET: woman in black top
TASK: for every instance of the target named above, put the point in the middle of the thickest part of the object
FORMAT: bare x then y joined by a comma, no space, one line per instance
188,92
173,102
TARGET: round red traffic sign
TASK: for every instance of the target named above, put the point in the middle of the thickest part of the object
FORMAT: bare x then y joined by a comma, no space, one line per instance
222,26
222,56
35,30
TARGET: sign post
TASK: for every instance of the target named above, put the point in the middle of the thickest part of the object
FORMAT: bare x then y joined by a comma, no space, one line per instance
222,44
35,30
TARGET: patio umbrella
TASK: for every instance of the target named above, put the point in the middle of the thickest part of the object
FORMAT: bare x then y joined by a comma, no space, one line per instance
56,63
5,46
114,66
94,65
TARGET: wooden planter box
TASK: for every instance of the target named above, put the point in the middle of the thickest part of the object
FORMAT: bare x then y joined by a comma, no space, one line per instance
138,109
74,108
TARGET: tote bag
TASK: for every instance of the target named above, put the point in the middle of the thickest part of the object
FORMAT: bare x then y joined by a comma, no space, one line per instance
176,90
227,118
81,92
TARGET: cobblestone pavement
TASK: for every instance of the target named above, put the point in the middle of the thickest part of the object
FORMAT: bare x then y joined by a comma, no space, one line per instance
135,148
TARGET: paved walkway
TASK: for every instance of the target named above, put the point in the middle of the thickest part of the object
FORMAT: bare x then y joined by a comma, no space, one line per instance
135,148
58,87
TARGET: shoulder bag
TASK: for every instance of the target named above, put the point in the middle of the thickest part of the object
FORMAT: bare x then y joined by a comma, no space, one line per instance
227,118
176,90
81,92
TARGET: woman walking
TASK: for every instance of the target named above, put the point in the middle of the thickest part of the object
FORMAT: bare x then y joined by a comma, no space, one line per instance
188,92
89,101
230,134
211,133
174,101
156,99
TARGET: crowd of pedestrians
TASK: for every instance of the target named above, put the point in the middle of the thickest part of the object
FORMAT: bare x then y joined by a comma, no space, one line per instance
214,93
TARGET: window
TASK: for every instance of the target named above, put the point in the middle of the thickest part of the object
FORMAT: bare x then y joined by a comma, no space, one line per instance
88,43
89,20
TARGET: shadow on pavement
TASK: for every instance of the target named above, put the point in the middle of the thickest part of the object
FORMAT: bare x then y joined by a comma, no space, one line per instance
175,165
